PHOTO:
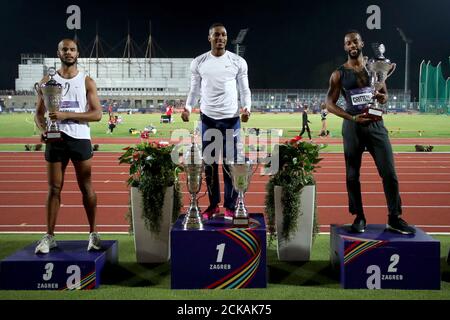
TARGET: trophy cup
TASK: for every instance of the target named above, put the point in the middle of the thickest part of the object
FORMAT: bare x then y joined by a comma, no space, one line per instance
240,174
193,166
51,92
379,69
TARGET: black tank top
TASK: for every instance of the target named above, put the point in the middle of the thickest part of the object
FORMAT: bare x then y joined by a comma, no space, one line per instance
355,89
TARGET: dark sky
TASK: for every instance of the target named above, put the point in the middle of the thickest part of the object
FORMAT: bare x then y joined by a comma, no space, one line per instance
290,44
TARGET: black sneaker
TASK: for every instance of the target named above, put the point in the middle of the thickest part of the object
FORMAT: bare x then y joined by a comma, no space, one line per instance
359,225
397,224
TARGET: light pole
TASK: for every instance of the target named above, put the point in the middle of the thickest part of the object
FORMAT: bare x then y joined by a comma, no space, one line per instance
239,48
407,43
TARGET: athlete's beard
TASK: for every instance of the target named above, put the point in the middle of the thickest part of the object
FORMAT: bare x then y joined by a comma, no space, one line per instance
356,56
69,64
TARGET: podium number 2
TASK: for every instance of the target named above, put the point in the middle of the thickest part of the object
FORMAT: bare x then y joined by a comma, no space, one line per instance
395,258
221,249
48,271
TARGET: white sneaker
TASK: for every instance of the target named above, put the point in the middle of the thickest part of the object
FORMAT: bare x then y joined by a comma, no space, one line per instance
94,241
45,244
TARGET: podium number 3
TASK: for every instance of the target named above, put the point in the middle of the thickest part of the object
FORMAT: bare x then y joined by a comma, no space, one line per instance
48,271
221,249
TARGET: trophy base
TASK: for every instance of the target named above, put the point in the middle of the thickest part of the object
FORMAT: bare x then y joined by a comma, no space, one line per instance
190,223
53,136
373,113
241,221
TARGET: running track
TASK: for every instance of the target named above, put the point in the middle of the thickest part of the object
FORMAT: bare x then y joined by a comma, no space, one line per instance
424,186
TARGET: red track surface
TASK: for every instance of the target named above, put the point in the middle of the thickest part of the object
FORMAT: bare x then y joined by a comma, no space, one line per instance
424,185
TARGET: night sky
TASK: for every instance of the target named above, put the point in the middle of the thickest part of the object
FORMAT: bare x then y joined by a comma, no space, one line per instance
290,44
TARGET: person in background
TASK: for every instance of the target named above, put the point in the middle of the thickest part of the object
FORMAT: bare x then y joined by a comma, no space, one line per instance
323,118
305,122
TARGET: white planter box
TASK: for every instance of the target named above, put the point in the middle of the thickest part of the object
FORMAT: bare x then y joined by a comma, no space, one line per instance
151,247
298,248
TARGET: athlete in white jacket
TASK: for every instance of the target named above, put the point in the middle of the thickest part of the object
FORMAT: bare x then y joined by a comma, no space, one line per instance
218,78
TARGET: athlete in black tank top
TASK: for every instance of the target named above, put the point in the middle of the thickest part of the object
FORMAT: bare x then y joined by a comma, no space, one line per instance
361,133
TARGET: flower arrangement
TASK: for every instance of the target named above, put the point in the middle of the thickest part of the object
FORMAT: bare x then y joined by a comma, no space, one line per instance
297,162
152,171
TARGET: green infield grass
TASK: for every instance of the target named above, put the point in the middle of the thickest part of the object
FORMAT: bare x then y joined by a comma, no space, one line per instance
399,126
313,280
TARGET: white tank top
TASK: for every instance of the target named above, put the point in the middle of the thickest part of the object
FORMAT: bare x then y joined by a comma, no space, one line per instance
74,101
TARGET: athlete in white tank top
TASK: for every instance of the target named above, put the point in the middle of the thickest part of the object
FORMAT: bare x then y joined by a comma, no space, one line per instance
74,101
79,106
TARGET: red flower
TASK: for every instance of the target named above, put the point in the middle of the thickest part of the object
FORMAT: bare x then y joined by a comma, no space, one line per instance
295,139
135,156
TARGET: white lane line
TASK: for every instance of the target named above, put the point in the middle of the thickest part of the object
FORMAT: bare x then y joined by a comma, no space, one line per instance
67,173
416,225
69,181
77,192
62,205
249,206
248,192
384,206
126,225
365,206
63,225
325,160
322,167
45,168
127,233
67,232
253,182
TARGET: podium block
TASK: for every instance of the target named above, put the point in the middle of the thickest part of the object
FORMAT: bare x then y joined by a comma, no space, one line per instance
69,266
382,259
220,256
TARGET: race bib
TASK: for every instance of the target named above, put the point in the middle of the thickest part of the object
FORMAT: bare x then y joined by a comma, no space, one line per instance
361,96
358,99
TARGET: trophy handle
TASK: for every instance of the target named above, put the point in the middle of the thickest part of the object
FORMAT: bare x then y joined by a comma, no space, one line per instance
225,169
38,89
394,65
67,88
208,187
366,59
175,174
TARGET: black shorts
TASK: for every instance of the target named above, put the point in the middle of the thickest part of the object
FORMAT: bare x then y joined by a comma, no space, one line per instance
68,148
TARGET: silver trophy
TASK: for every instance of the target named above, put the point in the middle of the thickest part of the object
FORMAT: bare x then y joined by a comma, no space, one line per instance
193,166
241,174
52,93
379,69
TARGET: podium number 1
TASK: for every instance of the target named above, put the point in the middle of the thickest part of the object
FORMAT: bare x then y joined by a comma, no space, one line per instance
221,249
